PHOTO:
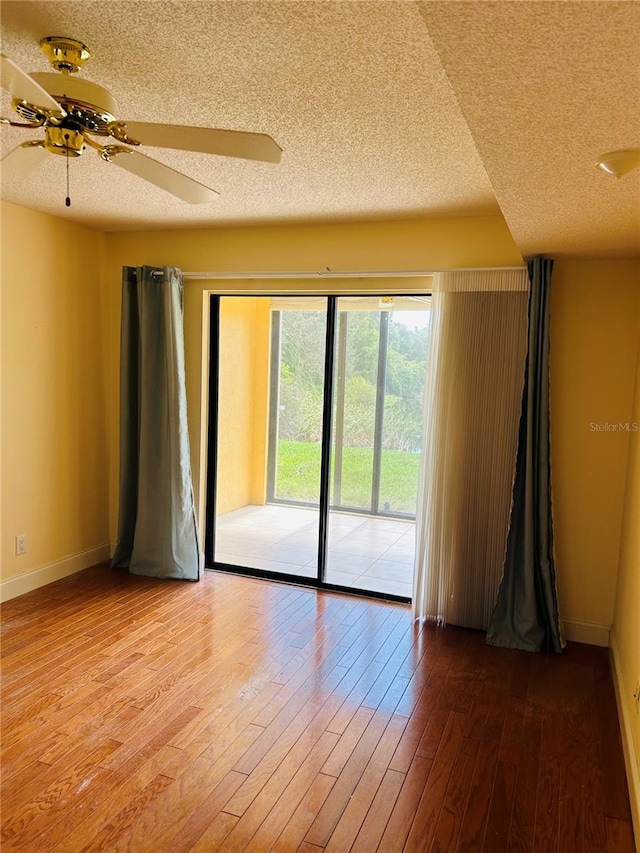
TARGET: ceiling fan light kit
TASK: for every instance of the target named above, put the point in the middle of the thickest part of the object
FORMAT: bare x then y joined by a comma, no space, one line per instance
619,163
72,111
64,140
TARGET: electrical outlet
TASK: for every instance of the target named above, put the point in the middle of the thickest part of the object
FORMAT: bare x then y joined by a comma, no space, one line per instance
21,544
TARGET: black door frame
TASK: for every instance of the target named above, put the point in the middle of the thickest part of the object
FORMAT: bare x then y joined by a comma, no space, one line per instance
325,464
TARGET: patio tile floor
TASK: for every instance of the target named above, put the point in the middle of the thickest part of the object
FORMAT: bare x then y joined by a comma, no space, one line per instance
365,552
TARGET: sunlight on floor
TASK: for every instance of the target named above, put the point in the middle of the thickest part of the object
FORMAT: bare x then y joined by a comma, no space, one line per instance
364,552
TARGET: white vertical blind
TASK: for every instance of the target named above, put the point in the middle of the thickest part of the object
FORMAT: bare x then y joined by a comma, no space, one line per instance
475,371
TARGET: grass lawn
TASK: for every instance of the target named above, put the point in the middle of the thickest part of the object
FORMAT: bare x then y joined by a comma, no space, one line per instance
298,476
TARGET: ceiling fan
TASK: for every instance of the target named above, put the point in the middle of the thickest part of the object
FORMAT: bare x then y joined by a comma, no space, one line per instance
75,113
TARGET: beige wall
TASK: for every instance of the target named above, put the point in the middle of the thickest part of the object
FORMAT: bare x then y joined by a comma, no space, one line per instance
626,622
595,325
242,402
54,431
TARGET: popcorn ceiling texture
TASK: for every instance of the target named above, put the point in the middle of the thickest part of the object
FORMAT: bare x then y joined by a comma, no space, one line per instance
353,93
384,110
545,89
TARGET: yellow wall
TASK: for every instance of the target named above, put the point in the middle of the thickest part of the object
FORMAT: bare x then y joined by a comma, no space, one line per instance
60,362
261,354
594,333
419,245
196,348
54,432
626,623
242,402
595,323
413,244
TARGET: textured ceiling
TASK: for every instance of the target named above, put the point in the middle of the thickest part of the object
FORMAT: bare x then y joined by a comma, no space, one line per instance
545,88
353,92
383,109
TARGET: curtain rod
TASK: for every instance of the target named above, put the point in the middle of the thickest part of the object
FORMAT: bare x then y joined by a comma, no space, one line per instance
340,274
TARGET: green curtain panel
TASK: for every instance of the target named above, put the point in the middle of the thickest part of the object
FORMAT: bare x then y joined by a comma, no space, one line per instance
157,530
526,612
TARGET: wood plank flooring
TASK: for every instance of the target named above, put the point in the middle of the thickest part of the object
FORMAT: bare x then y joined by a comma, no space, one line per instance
244,715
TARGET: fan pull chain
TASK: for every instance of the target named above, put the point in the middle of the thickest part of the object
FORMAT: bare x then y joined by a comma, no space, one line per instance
67,200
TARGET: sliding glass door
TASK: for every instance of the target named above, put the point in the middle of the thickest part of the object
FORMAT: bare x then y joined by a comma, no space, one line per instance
379,371
315,431
264,416
296,400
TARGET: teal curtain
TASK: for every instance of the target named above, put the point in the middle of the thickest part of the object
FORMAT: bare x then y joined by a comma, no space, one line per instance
157,530
526,612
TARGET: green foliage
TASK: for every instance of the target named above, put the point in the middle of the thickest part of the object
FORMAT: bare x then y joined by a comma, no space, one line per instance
300,411
298,471
363,333
399,481
302,379
298,476
302,336
402,425
286,373
301,388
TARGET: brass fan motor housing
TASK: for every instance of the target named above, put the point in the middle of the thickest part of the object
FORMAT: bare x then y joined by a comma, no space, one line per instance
65,54
89,105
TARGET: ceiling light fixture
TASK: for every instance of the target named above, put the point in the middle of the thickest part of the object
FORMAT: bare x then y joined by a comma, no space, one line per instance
618,163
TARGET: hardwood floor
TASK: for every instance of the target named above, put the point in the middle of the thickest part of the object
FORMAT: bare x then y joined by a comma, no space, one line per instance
238,714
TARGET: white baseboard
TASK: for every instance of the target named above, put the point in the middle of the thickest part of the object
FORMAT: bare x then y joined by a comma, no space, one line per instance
29,581
631,764
586,632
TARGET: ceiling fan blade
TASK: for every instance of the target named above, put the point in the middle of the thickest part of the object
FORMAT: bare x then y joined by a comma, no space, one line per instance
20,161
165,177
23,88
206,140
